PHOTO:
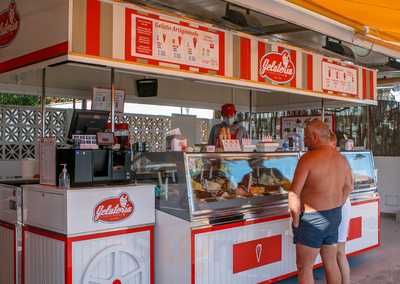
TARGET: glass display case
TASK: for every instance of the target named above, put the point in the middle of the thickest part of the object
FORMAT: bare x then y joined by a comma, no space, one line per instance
199,185
363,168
213,185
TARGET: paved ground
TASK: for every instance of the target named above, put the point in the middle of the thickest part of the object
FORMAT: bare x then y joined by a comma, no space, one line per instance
379,266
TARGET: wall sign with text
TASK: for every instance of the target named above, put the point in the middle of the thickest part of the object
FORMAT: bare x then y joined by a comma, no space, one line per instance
102,100
170,42
338,78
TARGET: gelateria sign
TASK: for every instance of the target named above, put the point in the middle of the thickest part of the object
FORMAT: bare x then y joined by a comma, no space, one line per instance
9,24
113,209
277,67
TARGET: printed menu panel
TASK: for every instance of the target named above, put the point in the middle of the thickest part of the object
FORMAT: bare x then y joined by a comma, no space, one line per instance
174,43
338,78
102,100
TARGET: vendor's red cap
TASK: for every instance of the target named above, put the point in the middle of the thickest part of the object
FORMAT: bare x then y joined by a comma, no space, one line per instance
228,110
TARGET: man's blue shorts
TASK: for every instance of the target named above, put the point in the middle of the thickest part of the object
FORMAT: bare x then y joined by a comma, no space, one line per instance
318,228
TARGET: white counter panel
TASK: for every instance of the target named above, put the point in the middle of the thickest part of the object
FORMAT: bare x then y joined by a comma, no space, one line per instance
88,210
7,254
8,212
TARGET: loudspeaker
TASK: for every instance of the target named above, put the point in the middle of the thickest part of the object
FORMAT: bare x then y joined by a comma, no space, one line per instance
147,87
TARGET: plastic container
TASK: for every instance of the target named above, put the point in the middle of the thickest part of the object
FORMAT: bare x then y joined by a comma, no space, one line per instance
63,179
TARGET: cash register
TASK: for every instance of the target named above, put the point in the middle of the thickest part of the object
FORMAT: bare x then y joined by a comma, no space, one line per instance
91,156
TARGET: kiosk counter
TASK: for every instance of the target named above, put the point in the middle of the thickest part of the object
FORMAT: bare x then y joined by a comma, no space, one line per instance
227,214
102,234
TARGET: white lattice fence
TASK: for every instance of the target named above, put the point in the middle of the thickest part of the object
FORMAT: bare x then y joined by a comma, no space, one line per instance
20,128
149,129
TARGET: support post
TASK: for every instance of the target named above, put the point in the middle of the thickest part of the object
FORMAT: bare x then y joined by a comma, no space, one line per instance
322,110
112,99
43,102
250,112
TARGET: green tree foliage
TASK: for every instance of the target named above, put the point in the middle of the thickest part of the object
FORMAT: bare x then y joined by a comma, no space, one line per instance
18,100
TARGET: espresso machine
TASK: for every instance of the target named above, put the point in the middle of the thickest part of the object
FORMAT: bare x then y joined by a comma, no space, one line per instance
92,158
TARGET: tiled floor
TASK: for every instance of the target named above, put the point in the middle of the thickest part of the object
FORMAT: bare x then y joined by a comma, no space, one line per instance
379,266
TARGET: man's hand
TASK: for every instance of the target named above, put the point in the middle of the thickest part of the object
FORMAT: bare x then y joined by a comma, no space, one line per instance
299,179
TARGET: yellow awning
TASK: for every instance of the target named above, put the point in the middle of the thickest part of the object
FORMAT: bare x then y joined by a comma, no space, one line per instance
382,17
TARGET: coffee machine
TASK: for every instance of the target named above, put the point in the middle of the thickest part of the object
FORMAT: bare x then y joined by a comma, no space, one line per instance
91,162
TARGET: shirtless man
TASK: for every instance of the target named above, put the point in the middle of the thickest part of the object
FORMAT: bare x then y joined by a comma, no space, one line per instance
320,187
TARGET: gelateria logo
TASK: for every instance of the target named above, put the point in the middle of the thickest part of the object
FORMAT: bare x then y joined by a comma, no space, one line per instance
277,67
114,209
9,23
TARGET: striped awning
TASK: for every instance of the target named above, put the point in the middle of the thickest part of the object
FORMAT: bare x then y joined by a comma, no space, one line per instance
378,20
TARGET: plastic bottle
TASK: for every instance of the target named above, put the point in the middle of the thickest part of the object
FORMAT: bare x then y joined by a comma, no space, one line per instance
63,179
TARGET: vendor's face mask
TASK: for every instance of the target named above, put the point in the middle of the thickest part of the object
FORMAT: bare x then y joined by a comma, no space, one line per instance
229,120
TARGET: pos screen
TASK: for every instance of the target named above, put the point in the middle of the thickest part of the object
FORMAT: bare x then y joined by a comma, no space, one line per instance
88,122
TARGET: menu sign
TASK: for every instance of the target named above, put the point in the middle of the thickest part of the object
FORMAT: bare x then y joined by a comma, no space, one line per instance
102,100
339,79
174,43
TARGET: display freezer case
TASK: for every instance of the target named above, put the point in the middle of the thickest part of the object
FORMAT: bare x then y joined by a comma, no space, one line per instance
364,173
212,186
195,186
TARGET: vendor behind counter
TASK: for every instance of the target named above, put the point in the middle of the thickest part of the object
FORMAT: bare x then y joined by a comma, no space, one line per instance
227,129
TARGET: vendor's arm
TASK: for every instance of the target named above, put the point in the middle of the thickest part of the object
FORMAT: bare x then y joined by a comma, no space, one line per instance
213,134
299,180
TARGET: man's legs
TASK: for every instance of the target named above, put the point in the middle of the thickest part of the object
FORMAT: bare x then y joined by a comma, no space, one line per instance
343,263
305,258
329,259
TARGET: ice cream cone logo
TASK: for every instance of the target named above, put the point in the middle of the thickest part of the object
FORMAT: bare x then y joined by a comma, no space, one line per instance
123,200
179,40
9,23
194,41
285,58
259,252
164,37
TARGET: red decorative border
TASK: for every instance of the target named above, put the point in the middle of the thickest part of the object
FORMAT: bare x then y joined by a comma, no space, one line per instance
93,27
12,228
68,241
224,227
128,40
341,65
34,57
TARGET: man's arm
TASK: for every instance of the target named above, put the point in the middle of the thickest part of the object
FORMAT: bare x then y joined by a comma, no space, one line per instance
300,177
348,183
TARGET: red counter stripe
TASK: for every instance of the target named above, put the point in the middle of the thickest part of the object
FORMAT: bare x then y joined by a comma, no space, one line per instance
35,57
221,70
371,85
309,72
68,261
355,229
261,53
93,27
245,61
364,81
128,34
293,56
256,253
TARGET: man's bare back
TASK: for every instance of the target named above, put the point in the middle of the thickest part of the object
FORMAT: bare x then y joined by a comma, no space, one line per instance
328,179
320,186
